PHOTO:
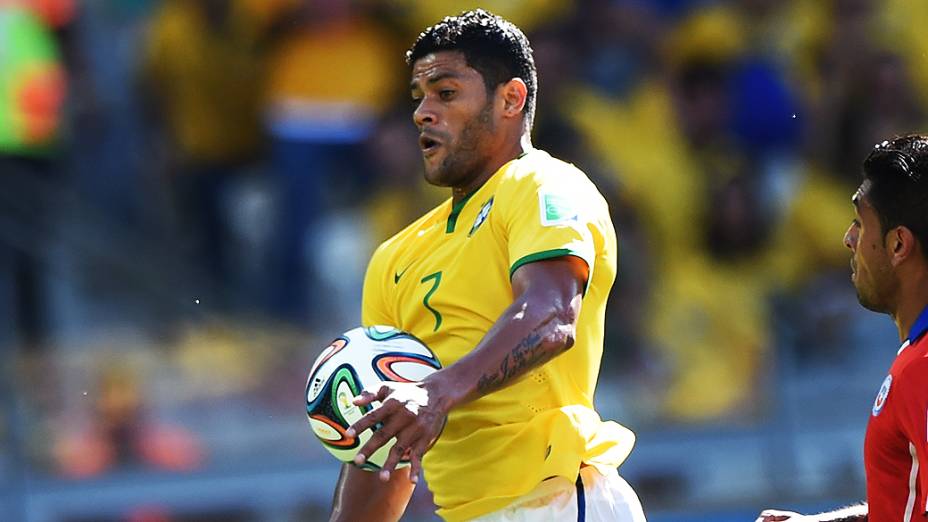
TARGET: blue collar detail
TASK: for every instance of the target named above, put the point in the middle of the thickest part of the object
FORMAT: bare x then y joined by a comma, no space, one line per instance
920,326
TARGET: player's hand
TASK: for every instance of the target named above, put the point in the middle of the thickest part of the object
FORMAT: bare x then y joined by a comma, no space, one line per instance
412,412
775,515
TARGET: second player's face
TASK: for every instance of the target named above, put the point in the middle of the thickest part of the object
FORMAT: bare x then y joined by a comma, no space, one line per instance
871,270
455,117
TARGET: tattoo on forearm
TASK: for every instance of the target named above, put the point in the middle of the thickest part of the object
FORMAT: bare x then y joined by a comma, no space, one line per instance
525,355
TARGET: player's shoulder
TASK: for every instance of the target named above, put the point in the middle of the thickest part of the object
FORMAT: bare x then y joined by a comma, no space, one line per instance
537,167
915,353
911,364
539,170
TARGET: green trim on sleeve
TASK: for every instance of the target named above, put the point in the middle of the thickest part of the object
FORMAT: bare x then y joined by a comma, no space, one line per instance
455,212
551,254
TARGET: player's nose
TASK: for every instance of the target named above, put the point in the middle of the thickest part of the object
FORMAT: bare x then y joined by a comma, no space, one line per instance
424,114
851,236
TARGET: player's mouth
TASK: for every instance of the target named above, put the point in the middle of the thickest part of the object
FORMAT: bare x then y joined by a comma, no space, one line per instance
428,144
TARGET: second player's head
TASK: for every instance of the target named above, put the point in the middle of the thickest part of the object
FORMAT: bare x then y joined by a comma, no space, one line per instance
890,235
473,86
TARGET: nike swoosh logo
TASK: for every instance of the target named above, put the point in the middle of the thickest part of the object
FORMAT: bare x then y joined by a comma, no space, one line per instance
397,276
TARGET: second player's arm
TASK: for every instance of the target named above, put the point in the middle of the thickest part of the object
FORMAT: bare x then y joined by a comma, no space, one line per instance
856,513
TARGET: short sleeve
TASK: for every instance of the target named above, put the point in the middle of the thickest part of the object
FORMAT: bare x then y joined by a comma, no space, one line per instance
374,304
913,416
546,220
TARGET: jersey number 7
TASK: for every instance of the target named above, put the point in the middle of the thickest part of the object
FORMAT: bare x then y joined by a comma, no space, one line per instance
436,280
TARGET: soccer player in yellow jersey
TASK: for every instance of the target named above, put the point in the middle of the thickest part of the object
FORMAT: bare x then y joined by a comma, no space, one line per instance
507,283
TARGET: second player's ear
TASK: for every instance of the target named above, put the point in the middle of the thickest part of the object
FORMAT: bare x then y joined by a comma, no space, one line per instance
901,244
515,94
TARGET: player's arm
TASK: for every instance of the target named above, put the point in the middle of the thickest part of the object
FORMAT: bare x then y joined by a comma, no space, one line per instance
537,326
361,495
857,513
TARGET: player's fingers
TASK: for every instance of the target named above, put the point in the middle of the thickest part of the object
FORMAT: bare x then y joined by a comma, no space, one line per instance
371,418
415,467
378,414
368,396
364,398
396,453
380,437
416,451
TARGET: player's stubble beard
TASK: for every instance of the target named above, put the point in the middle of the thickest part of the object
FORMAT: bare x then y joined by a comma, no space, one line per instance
464,162
876,288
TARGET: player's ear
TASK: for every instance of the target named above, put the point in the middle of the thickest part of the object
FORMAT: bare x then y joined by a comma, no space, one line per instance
514,94
902,244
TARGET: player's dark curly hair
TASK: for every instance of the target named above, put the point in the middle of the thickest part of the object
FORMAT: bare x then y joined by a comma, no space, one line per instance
897,170
492,45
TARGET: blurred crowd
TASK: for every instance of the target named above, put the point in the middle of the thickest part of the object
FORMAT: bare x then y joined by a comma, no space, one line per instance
204,180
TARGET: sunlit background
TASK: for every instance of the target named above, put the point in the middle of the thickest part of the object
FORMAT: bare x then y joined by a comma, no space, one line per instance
190,191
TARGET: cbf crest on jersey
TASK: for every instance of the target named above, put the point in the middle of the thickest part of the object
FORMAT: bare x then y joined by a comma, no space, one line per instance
481,216
881,395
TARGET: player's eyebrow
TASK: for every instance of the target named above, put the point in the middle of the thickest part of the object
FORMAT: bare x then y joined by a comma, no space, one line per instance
855,199
431,80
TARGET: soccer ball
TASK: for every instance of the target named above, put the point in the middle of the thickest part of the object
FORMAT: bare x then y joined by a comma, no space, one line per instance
358,359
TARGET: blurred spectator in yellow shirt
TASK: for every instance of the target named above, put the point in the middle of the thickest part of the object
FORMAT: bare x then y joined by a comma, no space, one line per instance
689,145
332,73
529,15
203,66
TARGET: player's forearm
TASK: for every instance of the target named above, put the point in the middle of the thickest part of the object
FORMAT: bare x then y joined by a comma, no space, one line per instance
856,513
361,495
527,335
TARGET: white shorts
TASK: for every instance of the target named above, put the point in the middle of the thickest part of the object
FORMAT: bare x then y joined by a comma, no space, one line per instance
594,498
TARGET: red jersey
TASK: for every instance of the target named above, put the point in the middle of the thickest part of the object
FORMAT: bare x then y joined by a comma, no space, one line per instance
896,445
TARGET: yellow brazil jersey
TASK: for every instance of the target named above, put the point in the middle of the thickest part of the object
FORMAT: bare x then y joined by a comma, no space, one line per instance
446,279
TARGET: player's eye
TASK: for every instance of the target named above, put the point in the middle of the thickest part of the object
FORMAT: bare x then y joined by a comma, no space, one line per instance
446,94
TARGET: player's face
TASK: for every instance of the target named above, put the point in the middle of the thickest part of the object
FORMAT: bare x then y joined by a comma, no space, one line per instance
455,117
871,270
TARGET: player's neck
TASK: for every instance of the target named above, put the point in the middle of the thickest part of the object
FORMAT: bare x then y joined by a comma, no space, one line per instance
913,299
517,149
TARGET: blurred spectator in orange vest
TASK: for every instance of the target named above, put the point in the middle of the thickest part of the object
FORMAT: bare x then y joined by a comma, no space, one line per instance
32,90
